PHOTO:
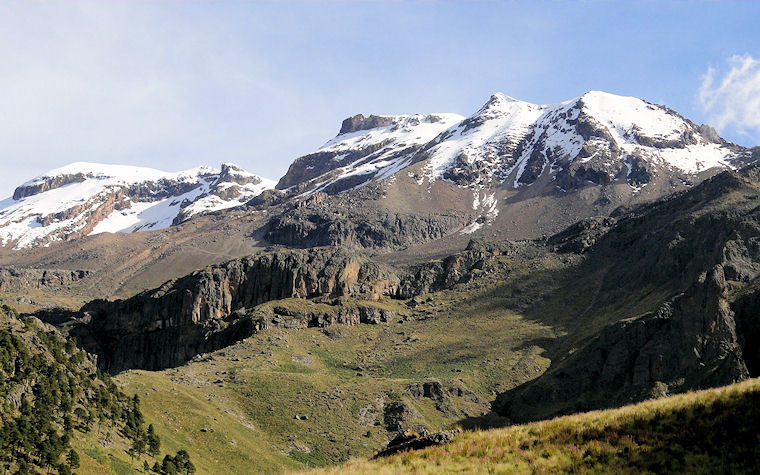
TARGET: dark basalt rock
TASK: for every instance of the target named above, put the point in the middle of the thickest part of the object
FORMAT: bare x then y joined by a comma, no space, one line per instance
428,389
313,165
582,235
266,198
49,183
399,416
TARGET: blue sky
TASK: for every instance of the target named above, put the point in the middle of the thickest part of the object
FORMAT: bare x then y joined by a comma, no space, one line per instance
173,84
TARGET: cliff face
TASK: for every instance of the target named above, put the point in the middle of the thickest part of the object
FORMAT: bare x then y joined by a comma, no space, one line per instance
195,314
220,305
215,292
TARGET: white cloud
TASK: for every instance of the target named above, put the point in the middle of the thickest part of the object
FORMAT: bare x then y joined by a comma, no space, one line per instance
733,100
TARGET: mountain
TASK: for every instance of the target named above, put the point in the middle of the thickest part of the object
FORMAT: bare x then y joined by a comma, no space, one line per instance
416,273
598,138
333,352
84,199
513,168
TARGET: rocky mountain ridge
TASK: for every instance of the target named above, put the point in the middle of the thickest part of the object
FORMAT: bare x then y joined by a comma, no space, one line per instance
597,137
84,199
700,247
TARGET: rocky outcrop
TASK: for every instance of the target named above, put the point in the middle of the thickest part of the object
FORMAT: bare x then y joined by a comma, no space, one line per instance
194,314
50,183
417,441
279,316
458,268
359,122
689,343
399,416
222,304
582,235
16,280
322,226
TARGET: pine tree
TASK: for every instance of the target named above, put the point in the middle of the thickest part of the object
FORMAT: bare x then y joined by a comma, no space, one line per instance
154,442
72,458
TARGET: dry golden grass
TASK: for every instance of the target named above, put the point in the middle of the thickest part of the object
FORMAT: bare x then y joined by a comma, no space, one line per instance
711,431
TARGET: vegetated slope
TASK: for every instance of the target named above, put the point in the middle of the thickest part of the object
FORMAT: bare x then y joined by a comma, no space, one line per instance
58,412
435,361
320,395
711,431
83,199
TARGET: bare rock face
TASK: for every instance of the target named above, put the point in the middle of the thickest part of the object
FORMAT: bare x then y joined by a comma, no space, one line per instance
283,317
49,184
689,343
359,122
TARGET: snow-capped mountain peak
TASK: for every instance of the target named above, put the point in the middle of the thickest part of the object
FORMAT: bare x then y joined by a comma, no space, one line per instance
596,139
88,198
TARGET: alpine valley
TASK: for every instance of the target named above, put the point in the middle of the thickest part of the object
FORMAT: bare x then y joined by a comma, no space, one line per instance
415,281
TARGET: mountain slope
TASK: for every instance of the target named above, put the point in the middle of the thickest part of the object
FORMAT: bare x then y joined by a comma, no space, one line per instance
60,413
84,199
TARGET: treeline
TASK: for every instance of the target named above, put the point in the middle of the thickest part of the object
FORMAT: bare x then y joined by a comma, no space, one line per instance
49,389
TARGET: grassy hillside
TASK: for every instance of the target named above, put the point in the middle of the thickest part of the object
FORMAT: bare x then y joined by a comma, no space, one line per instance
711,431
297,398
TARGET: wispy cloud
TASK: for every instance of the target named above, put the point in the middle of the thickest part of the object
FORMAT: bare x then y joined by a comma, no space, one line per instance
732,98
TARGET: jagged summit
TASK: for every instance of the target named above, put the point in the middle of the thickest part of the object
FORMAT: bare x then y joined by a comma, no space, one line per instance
84,198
